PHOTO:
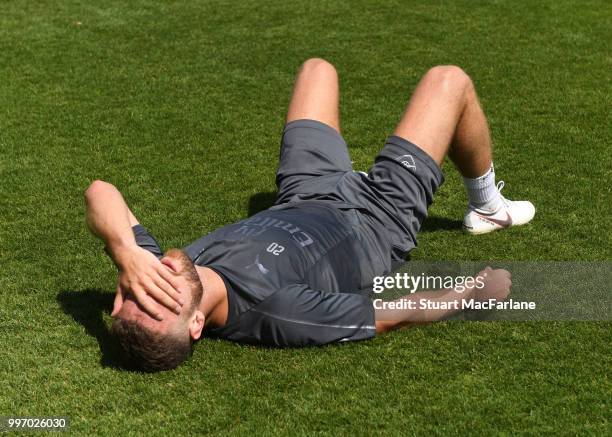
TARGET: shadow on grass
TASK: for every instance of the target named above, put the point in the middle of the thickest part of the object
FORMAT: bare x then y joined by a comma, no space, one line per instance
260,201
433,224
264,200
87,308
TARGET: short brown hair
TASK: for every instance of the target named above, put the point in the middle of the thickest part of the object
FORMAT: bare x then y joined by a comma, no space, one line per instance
144,349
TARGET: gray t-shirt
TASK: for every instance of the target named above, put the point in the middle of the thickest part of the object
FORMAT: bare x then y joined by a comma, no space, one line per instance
294,275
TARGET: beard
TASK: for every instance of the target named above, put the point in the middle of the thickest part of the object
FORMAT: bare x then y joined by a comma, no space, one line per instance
189,273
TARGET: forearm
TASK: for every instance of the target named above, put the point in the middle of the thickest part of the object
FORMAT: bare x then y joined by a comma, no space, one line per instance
417,308
429,306
109,217
141,274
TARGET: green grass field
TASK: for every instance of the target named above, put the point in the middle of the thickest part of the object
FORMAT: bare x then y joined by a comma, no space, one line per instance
181,105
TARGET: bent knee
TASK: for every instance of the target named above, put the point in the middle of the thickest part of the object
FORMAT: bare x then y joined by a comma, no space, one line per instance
318,66
449,77
96,187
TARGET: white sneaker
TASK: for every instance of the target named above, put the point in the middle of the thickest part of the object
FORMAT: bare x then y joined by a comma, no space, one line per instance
511,213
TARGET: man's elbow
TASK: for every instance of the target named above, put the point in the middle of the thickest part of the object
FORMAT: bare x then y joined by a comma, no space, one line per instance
383,326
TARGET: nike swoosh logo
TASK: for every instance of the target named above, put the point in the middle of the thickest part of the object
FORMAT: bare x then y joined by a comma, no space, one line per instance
259,266
503,223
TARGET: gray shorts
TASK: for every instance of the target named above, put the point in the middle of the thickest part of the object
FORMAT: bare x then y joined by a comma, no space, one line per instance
389,204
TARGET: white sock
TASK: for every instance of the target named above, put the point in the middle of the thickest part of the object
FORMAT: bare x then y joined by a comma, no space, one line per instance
482,192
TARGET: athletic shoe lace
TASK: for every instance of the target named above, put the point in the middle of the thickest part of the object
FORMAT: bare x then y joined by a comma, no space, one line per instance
500,186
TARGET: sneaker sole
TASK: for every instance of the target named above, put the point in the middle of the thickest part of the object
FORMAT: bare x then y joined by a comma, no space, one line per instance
470,230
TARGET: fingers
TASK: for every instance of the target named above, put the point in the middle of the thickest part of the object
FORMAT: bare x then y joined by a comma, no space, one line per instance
148,304
170,292
503,272
149,291
162,298
140,292
150,282
171,263
118,303
507,288
484,273
167,275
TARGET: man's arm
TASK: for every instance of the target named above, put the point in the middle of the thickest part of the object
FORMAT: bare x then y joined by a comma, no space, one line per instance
109,217
140,272
447,302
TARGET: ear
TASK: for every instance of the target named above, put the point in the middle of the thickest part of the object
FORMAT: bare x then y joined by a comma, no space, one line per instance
171,263
196,325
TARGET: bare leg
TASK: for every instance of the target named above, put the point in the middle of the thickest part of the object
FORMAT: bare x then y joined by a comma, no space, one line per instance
316,94
444,116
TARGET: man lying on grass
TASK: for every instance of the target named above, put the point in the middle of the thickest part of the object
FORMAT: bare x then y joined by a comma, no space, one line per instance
300,272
